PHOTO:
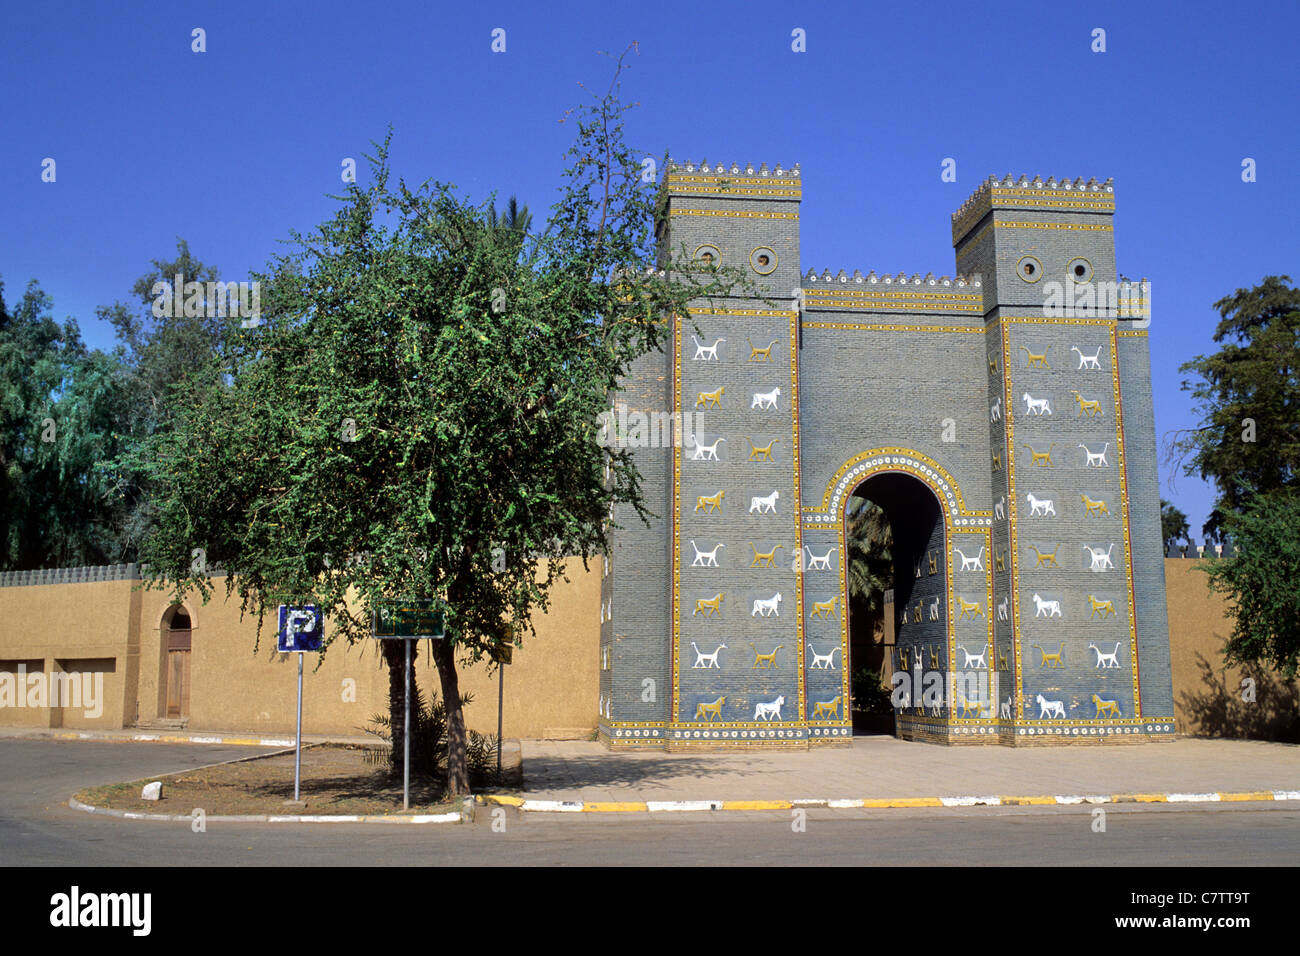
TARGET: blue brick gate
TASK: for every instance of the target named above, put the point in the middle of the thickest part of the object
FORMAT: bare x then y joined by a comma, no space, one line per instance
1002,418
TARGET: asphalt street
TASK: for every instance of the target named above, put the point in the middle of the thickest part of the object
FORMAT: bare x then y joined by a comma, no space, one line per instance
38,828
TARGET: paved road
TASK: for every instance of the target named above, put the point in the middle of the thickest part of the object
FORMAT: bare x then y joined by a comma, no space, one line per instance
36,828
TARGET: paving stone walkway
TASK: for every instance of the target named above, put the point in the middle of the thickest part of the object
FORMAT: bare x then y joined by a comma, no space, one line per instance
887,767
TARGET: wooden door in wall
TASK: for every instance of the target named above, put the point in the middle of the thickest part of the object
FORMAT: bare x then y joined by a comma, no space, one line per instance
178,672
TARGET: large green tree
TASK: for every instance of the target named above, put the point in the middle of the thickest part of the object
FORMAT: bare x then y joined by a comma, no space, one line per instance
1248,444
1260,582
1248,396
387,411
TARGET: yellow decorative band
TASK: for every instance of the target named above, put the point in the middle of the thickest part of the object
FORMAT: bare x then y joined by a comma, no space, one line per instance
867,305
736,213
870,327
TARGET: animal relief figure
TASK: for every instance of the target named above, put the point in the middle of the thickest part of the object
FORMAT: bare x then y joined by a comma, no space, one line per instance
703,660
766,399
761,355
706,353
968,705
1094,508
995,410
1036,406
1107,661
971,564
1100,559
1040,506
764,504
934,561
1096,459
1108,707
766,607
1088,361
708,606
765,661
934,658
764,560
826,709
973,660
1050,708
710,399
1000,508
824,609
822,662
771,710
1000,561
1004,710
1099,608
822,563
705,452
707,712
706,559
1033,360
1041,458
1045,559
1002,608
934,608
968,609
761,452
1089,407
1046,608
1051,661
709,502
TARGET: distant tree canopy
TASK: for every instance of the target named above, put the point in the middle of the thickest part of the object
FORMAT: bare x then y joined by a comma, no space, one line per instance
1173,523
60,410
69,415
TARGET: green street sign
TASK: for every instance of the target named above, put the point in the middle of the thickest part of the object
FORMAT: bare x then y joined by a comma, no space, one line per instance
407,619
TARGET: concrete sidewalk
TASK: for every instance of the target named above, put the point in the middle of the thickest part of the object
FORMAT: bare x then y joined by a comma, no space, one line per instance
885,771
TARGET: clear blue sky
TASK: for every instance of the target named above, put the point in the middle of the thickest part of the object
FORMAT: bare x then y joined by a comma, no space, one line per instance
233,147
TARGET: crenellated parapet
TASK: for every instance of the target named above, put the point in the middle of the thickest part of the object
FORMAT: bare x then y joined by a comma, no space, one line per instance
1065,195
686,178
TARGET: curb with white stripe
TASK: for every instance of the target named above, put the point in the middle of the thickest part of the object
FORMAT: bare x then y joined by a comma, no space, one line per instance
1065,800
455,817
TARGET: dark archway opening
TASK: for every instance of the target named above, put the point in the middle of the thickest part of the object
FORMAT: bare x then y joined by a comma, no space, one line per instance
895,560
177,636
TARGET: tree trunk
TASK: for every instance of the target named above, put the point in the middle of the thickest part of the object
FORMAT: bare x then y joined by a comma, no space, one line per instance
457,768
395,658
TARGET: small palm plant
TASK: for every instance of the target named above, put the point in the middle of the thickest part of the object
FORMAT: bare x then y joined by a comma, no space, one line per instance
429,741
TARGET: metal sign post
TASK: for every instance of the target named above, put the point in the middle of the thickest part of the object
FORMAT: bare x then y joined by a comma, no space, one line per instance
406,621
299,631
406,744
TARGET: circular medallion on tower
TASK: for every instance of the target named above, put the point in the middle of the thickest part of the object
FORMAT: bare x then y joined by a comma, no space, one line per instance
1029,269
707,255
1079,269
763,260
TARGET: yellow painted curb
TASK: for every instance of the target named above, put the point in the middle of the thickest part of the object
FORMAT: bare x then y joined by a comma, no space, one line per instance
615,807
756,804
903,802
1028,801
1140,798
503,801
1249,795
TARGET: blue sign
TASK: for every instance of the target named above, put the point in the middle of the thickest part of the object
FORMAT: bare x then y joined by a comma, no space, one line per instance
301,629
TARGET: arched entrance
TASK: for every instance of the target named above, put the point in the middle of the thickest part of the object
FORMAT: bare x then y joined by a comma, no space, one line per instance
176,640
896,590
